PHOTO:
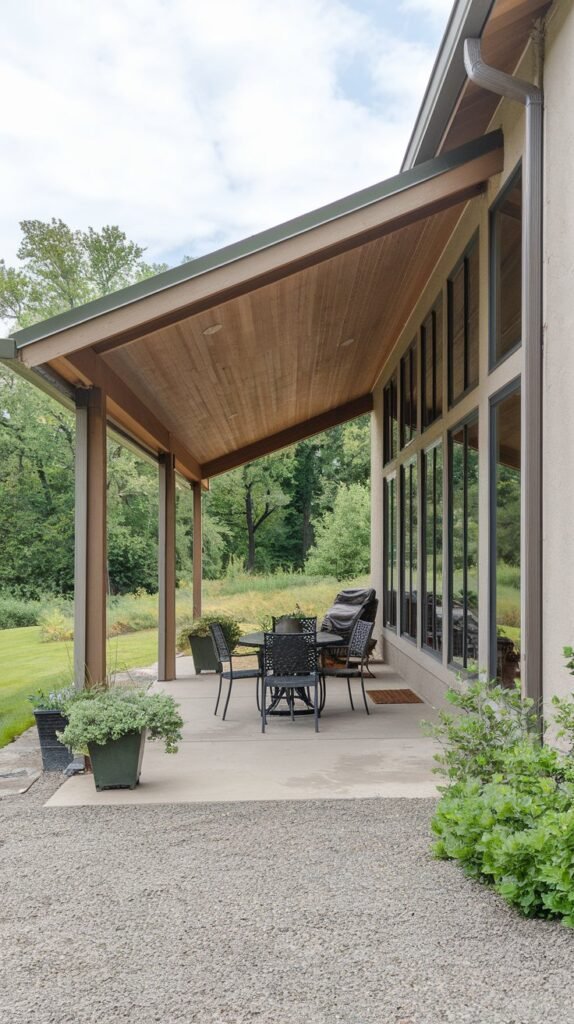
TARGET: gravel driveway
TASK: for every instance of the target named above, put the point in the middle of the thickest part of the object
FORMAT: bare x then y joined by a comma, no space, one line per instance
280,913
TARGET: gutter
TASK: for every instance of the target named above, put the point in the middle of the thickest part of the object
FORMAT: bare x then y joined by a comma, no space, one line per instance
531,98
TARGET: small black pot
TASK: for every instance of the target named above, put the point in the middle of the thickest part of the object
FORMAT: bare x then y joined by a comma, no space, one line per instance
204,656
55,756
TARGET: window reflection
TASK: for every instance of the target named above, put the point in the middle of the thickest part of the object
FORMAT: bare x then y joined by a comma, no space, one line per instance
390,420
409,395
506,263
506,470
432,547
431,356
464,545
463,325
409,527
390,552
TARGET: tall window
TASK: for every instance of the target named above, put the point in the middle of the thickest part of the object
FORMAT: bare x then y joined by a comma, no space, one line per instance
505,571
463,530
506,271
432,548
463,325
390,420
431,357
409,547
390,552
409,395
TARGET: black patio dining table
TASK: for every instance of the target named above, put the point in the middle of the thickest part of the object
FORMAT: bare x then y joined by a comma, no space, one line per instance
257,640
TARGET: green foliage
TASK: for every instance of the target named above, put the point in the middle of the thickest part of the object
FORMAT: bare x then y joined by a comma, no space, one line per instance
200,627
343,536
489,720
15,612
55,625
116,712
53,700
508,815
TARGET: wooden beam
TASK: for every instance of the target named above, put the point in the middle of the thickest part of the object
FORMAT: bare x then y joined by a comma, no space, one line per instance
288,256
284,438
197,551
166,562
121,399
90,540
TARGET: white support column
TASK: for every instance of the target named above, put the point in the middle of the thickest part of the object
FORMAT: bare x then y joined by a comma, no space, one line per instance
90,539
197,550
166,560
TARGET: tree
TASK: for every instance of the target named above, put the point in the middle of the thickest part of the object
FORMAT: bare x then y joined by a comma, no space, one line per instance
343,545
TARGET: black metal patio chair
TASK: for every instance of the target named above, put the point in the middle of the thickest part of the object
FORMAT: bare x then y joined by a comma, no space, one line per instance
356,664
290,663
224,656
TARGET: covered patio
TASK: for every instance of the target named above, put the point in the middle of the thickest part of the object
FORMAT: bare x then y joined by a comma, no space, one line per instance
355,755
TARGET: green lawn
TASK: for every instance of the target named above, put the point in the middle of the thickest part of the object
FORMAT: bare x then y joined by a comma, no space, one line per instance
29,665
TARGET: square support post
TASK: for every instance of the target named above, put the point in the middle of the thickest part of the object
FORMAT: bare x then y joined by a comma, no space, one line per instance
197,550
167,581
90,584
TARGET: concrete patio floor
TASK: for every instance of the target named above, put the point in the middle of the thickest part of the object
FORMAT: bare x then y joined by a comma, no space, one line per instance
354,755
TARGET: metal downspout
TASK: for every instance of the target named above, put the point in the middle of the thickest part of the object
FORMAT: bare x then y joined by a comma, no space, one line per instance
531,97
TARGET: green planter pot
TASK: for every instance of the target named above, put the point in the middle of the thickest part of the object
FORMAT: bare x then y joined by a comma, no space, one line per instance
117,764
204,657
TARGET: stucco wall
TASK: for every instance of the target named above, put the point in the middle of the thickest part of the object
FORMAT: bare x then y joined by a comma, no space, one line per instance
558,406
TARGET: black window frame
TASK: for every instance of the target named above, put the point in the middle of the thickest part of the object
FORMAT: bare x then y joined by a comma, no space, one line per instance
411,360
390,404
464,262
437,501
493,254
390,503
469,420
436,346
413,525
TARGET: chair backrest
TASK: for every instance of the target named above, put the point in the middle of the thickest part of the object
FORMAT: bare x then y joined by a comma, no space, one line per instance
290,624
359,641
220,645
290,654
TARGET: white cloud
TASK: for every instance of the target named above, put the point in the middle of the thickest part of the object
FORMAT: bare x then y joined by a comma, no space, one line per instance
191,124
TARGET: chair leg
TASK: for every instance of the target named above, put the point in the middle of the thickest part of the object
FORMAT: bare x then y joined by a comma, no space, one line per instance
322,692
316,706
263,708
257,697
291,702
350,694
364,694
228,696
218,695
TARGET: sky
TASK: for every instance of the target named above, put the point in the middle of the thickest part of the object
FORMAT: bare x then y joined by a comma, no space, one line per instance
194,123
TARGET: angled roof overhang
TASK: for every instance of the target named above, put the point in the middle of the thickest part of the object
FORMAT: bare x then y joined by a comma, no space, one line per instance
242,352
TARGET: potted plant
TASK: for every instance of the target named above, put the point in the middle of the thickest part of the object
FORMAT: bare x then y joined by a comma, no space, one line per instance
199,636
290,622
50,714
112,726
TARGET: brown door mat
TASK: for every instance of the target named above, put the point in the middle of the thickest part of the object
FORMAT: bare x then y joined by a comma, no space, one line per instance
394,697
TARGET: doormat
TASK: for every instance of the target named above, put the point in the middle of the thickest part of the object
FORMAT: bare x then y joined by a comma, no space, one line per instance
394,697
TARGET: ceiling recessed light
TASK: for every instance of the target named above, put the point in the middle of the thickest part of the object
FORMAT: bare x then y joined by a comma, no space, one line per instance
212,330
348,341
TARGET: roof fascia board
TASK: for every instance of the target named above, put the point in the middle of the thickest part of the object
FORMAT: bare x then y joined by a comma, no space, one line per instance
448,76
7,348
407,179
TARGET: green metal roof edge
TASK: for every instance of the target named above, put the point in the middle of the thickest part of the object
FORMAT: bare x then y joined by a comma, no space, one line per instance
263,240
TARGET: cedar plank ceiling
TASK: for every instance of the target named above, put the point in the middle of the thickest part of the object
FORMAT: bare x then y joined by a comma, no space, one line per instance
504,39
277,360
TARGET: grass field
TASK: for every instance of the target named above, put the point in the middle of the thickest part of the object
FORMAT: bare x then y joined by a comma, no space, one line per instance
27,664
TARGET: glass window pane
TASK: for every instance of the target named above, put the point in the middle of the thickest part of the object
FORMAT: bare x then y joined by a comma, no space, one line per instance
409,395
438,329
391,426
390,552
431,363
507,543
463,339
506,242
409,536
472,317
464,545
432,546
456,338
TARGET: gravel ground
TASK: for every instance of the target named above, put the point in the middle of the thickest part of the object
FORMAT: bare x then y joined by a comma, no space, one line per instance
280,913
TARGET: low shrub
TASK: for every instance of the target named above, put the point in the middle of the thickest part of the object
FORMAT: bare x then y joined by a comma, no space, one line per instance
115,712
507,813
16,612
200,627
55,625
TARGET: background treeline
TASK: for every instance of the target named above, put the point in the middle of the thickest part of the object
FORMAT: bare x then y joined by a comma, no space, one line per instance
304,508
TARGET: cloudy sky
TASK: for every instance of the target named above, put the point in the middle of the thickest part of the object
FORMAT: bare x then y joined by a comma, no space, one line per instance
192,123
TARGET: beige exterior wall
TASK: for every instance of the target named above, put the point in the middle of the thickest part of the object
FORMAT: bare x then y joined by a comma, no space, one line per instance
428,674
558,414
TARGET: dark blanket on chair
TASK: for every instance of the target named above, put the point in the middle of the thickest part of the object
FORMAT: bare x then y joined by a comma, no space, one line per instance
350,605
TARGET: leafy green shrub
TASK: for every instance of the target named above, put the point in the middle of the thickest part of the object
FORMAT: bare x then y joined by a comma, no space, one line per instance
114,713
343,537
55,625
16,612
200,627
490,720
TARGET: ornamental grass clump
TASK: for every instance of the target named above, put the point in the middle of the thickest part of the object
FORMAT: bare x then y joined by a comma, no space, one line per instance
507,811
116,712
